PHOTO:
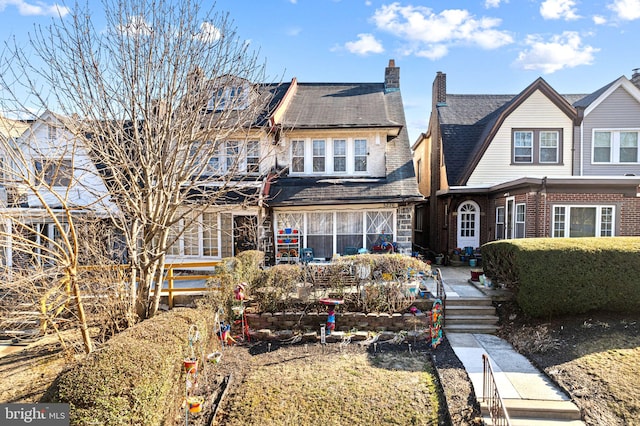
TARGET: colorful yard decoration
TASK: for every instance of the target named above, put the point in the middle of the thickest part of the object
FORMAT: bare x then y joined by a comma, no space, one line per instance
435,326
331,318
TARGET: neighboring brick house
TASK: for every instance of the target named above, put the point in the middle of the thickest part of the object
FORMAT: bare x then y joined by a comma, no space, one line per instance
345,177
516,166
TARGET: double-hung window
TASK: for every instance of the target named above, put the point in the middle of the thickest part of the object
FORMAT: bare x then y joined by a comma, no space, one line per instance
615,146
360,155
253,157
319,152
519,222
583,221
537,146
339,155
523,147
297,156
499,223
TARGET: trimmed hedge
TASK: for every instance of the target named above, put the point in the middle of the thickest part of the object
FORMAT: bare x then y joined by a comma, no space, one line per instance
136,378
555,276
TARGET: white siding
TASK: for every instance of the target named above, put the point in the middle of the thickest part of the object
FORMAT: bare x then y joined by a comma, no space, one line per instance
535,112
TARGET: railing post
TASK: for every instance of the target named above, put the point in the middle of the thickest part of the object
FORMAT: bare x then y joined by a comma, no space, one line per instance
170,286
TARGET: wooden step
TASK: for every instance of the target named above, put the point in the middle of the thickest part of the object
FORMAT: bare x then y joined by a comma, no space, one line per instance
537,422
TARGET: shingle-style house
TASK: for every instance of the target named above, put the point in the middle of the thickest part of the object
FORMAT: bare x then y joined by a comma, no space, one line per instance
345,178
535,164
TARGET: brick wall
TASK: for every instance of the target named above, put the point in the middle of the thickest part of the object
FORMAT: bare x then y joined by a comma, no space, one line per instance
405,229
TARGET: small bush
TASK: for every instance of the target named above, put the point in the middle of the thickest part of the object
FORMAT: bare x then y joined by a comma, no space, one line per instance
135,378
272,288
554,276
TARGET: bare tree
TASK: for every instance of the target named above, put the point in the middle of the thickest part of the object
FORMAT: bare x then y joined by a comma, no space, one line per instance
156,95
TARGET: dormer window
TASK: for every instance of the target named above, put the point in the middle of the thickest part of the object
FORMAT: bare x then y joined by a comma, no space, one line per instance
229,98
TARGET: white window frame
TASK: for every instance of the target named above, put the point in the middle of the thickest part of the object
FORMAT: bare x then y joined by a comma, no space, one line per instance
340,155
516,146
229,97
564,232
331,152
555,148
500,224
360,156
373,221
520,220
615,146
319,152
196,230
233,155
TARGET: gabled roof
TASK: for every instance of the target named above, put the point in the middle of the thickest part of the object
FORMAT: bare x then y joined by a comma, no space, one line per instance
468,124
590,102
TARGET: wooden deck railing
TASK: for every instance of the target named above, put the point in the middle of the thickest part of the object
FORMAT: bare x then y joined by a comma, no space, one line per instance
168,285
491,396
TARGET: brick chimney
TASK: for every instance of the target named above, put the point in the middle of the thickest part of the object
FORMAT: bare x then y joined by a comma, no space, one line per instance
635,77
439,90
391,77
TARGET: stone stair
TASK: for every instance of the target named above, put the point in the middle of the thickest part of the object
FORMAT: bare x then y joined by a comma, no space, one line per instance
528,412
470,315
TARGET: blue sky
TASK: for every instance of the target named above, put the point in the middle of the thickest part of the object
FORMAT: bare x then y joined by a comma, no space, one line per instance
484,46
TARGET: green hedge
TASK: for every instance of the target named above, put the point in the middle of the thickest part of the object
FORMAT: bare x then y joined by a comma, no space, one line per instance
136,378
555,276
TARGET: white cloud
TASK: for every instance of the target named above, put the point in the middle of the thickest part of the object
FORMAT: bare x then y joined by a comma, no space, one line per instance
208,32
433,34
38,9
365,44
493,3
627,10
136,25
559,9
561,51
599,20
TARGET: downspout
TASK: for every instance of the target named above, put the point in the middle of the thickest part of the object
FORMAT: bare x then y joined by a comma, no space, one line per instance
582,147
544,213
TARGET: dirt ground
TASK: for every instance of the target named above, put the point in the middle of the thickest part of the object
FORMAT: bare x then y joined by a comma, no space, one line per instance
595,358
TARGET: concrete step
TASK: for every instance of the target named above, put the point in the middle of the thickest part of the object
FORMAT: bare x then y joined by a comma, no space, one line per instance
538,409
471,319
466,301
537,422
470,328
469,310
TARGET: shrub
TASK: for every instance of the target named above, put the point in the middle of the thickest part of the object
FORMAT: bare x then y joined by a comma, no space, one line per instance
554,276
272,288
135,378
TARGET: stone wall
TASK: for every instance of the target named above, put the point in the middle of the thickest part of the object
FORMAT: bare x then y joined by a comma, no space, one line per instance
344,321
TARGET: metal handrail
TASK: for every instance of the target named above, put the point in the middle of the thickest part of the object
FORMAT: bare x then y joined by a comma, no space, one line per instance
441,293
490,395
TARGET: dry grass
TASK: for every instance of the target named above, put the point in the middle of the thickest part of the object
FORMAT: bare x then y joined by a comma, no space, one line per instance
349,387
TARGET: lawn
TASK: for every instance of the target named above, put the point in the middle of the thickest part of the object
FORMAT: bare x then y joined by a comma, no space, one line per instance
336,385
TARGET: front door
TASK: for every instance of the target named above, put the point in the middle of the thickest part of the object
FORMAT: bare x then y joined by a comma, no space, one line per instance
469,224
245,233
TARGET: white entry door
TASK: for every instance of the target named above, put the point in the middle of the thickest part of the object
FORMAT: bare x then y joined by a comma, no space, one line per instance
469,225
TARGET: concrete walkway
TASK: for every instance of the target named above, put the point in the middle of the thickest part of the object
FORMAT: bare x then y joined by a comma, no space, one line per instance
522,386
